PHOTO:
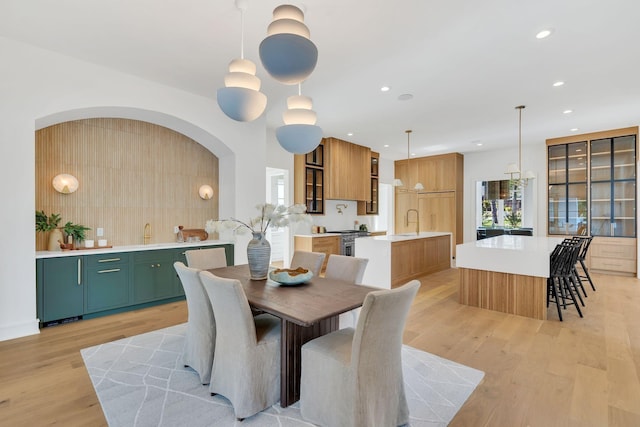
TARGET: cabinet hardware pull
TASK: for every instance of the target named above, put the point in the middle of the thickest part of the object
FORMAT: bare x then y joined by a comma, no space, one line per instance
113,270
79,271
109,260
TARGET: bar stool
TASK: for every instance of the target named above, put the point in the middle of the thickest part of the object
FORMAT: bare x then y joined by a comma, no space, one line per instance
586,242
559,284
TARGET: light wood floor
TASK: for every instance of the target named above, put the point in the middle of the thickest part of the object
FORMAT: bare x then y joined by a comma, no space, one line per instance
580,372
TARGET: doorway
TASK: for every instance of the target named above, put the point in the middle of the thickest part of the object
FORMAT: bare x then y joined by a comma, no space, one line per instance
277,193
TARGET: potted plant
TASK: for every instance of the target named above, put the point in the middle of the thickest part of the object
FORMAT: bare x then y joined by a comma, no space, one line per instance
50,223
75,231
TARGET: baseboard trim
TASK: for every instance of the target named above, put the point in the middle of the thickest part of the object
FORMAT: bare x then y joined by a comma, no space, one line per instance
11,331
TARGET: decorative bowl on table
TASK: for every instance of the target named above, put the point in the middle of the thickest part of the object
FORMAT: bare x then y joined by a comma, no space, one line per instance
288,276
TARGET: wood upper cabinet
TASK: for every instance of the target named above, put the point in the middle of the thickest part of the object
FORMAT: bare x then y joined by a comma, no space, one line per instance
438,173
347,170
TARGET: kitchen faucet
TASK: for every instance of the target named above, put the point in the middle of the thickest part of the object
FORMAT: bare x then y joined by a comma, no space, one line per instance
147,233
417,220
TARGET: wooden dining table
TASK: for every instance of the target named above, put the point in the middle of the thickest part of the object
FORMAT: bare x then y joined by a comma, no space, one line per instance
306,311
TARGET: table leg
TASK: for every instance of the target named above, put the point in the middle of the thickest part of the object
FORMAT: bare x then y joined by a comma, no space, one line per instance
293,337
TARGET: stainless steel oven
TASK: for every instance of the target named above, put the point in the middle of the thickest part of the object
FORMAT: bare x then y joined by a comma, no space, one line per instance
347,241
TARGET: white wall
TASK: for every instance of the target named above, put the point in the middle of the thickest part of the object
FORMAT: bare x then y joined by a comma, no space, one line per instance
39,88
489,166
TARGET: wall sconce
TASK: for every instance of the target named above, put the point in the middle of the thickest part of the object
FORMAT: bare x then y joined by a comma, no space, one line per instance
341,206
65,183
205,191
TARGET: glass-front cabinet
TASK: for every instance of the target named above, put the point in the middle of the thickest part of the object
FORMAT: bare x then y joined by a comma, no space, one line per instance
613,187
592,192
567,208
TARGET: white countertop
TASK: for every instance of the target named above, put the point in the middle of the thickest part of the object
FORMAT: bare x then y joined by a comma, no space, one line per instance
130,248
408,236
524,255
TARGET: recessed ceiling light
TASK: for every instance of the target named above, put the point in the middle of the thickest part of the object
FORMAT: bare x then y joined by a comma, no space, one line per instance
385,89
405,97
556,84
477,143
386,145
413,154
350,134
573,129
567,112
544,34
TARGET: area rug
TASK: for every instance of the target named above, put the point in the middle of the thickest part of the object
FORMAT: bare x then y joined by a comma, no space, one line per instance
141,381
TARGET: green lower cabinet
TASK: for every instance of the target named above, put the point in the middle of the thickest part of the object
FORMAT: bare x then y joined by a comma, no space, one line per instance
179,255
107,287
153,276
60,288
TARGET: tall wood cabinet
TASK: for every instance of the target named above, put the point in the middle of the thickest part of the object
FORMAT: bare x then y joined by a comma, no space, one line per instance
440,204
592,190
336,170
370,206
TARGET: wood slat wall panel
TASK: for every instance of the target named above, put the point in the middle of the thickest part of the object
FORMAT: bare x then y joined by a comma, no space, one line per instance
507,293
131,173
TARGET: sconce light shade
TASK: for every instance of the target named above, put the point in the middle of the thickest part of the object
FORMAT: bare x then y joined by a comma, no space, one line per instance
206,192
287,53
418,186
65,183
397,183
241,98
529,175
299,138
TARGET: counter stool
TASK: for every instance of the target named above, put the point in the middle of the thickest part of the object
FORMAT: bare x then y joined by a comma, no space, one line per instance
560,288
586,242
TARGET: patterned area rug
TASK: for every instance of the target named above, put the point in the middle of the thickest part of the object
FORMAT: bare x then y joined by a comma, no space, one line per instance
140,381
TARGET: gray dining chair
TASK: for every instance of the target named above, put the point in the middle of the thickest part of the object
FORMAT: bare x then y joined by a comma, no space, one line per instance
200,339
350,269
204,259
246,366
311,261
353,377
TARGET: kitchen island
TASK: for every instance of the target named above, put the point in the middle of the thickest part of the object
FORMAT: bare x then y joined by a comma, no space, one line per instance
396,259
506,273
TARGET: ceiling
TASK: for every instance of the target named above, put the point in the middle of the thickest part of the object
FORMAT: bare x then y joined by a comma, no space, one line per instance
467,63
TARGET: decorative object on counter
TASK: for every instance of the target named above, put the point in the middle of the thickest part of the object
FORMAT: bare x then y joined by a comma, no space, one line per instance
287,53
65,183
299,135
88,243
241,98
50,223
288,276
180,234
205,192
75,232
102,243
192,234
363,227
259,249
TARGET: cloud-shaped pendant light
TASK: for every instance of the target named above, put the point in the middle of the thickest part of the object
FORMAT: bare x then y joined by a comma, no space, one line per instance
241,98
287,53
299,135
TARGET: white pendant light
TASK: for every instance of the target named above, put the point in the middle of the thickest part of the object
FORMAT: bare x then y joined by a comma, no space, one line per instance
241,98
299,135
287,53
514,170
418,186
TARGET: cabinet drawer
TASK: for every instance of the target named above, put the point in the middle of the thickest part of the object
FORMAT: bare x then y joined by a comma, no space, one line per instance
625,252
613,264
104,260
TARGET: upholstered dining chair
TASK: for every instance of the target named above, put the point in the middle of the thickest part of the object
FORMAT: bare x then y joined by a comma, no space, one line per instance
354,377
311,261
200,340
246,366
204,259
352,270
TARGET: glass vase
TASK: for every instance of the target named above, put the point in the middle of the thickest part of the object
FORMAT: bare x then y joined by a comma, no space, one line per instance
259,256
